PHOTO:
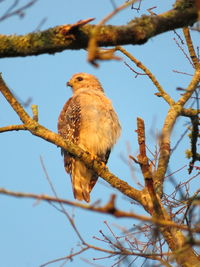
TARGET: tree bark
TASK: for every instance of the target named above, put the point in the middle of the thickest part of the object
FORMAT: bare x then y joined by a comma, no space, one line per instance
137,31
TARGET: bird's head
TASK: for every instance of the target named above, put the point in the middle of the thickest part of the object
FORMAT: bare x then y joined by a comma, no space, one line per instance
84,80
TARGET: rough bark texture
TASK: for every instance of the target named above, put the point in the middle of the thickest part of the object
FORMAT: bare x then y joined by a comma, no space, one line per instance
137,31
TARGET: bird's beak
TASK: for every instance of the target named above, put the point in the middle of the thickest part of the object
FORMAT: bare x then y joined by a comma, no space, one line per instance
68,84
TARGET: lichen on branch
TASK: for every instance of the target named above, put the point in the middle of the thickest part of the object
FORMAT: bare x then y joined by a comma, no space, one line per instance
77,36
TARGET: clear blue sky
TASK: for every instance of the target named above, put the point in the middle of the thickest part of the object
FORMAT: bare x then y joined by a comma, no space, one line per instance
35,232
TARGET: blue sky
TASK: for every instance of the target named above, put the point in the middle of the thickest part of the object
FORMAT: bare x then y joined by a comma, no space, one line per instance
35,232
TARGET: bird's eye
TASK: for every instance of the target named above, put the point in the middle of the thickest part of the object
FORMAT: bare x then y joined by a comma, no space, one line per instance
79,78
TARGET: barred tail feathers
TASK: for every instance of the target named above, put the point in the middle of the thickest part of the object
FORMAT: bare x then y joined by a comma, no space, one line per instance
83,180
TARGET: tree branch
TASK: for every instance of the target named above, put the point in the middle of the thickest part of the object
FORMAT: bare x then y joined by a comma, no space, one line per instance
190,46
106,209
10,128
190,112
137,31
173,237
174,111
161,91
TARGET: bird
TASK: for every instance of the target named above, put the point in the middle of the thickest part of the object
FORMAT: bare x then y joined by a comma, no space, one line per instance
88,120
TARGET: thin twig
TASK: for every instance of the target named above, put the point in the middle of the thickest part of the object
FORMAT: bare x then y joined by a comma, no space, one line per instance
11,11
104,209
70,219
139,64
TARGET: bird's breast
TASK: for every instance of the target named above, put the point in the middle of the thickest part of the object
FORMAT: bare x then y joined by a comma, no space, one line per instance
99,128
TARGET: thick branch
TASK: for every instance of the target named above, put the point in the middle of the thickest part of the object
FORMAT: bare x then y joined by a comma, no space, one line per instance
60,38
190,46
142,157
12,128
174,111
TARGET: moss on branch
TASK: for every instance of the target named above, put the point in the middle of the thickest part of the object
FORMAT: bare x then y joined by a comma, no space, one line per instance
77,36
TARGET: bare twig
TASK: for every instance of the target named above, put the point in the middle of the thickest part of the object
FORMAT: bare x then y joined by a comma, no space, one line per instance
137,73
104,209
139,64
12,10
183,51
69,257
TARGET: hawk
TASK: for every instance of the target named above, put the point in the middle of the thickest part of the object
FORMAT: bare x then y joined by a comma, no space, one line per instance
89,121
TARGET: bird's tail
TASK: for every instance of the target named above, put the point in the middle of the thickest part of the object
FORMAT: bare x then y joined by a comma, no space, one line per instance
83,180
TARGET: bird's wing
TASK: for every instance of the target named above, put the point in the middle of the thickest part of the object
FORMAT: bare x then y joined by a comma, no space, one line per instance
69,127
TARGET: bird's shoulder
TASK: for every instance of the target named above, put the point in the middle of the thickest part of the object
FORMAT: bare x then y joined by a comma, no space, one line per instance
69,118
91,96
